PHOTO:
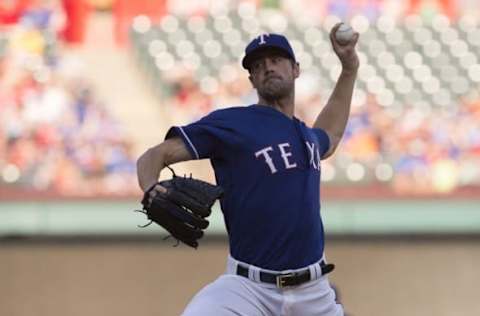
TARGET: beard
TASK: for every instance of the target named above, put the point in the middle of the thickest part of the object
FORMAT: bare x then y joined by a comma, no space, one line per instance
275,88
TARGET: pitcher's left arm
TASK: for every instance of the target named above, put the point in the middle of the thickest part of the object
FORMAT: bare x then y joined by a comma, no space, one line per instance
334,116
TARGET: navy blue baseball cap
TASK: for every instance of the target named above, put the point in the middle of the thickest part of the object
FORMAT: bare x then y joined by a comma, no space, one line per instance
268,40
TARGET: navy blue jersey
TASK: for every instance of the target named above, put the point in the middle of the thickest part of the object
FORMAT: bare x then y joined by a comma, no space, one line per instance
269,167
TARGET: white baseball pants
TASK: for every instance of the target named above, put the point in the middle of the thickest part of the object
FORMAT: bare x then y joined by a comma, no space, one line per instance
234,295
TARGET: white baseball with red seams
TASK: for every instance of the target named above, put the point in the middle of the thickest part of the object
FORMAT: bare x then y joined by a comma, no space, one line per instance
344,34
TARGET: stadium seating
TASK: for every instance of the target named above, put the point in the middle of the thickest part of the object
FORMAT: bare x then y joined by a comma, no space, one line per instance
416,106
55,133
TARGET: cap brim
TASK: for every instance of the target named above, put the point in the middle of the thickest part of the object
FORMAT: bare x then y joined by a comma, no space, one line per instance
247,60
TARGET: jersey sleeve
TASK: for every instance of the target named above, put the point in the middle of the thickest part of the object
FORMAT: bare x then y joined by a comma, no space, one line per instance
323,140
204,137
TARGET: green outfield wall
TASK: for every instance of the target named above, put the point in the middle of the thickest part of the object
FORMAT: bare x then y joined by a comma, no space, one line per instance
84,217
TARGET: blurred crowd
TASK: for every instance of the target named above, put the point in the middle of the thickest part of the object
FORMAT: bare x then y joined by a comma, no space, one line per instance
414,144
416,149
55,134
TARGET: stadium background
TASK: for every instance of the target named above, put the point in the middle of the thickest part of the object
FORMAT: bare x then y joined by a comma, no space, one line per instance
86,86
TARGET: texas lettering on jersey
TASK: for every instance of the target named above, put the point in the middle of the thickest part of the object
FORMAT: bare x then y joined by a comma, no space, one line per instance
287,156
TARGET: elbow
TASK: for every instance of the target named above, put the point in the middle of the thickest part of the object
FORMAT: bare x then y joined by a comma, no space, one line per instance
334,141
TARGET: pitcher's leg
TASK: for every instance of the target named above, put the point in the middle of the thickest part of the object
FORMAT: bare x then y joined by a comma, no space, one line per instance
316,298
229,295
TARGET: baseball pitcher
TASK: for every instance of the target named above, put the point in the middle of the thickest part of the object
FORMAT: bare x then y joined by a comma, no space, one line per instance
267,166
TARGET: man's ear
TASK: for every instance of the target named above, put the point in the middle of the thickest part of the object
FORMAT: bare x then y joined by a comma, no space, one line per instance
251,81
296,70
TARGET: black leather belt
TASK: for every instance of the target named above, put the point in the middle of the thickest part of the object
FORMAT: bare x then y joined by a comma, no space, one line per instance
286,279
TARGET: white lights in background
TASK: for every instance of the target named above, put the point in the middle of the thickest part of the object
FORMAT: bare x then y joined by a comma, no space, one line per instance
329,59
366,71
355,172
329,21
460,86
222,24
212,49
196,24
169,23
277,22
431,85
412,59
375,84
246,10
448,35
422,73
176,36
218,8
384,172
141,24
359,98
441,60
404,85
232,37
251,26
474,73
192,61
448,73
156,47
335,71
305,60
10,173
385,24
413,22
395,37
422,35
203,36
362,57
184,48
468,60
431,48
313,36
385,97
164,61
442,98
473,37
328,172
385,59
458,48
468,23
375,47
394,73
440,22
297,46
321,48
360,23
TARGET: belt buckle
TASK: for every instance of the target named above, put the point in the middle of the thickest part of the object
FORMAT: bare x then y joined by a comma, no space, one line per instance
282,278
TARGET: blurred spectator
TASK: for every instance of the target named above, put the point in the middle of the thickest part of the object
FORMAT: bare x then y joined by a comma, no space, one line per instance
54,133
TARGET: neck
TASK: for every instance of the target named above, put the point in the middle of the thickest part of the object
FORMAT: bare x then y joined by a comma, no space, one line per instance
286,105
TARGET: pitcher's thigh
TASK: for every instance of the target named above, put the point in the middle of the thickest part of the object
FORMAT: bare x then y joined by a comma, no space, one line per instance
226,296
317,298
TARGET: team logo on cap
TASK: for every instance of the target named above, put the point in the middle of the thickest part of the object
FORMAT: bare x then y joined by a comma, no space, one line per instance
262,38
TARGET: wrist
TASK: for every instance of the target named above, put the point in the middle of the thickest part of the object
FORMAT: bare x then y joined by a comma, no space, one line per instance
350,72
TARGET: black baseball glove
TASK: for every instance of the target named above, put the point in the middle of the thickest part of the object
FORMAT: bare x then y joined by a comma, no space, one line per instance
182,210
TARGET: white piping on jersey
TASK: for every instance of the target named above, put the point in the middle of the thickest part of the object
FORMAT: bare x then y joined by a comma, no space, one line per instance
190,143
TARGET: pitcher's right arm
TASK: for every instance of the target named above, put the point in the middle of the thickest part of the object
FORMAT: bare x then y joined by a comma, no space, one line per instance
151,162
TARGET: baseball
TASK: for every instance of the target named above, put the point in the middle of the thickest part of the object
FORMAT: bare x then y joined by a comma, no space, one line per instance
344,34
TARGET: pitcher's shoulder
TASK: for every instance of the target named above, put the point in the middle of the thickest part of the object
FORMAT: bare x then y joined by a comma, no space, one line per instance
230,112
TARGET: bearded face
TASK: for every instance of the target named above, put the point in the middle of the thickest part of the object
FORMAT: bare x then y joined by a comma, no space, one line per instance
273,75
